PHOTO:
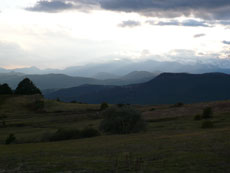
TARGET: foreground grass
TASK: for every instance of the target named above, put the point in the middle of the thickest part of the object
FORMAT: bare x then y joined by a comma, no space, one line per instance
206,151
172,142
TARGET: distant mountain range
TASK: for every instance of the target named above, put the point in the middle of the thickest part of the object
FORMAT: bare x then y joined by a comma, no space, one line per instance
58,81
116,69
164,89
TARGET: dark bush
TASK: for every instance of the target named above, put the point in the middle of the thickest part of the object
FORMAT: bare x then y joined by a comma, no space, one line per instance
65,134
197,117
10,139
121,120
207,124
68,134
104,106
207,113
89,132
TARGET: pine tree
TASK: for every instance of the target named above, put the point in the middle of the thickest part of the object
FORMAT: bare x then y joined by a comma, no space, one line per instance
26,87
5,90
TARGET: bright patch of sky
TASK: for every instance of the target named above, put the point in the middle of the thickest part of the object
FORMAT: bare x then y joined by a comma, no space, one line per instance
73,37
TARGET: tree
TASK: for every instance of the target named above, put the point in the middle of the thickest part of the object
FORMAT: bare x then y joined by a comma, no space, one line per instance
26,87
122,120
5,90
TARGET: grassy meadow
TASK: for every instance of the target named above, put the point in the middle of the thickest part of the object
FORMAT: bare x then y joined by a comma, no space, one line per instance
172,142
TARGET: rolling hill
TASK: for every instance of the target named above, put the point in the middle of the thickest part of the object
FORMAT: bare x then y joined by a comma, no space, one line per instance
165,88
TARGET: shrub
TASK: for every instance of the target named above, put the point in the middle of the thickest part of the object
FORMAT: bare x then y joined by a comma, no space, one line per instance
104,106
65,134
121,120
207,124
207,113
68,134
89,132
197,117
120,105
10,139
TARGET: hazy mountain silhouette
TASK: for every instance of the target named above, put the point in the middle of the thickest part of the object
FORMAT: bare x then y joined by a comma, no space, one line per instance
123,67
105,75
164,89
58,81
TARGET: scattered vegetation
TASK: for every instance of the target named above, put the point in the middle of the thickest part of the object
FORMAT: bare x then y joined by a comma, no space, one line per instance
74,101
104,106
122,120
207,113
179,104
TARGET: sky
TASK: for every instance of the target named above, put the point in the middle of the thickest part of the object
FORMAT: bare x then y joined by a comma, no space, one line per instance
62,33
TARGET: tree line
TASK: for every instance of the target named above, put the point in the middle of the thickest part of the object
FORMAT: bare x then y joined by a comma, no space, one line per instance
25,87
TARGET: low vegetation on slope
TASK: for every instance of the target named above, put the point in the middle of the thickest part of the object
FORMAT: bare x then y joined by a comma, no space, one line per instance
172,141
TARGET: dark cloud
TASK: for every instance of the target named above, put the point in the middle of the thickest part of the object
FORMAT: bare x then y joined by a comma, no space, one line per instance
206,9
51,6
224,22
199,35
189,23
226,42
129,23
54,6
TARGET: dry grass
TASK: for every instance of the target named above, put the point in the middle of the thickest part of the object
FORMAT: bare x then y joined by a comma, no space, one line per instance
173,142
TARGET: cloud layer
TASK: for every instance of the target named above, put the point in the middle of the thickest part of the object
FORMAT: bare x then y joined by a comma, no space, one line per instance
226,42
189,23
205,9
129,23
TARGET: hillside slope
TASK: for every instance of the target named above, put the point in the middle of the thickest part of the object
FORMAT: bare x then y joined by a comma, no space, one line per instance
165,88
